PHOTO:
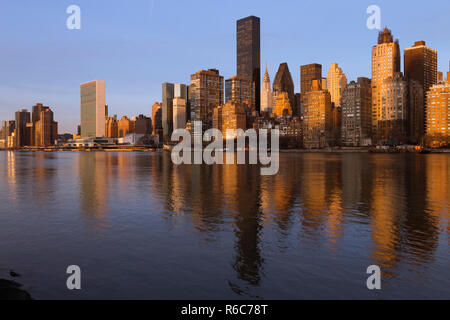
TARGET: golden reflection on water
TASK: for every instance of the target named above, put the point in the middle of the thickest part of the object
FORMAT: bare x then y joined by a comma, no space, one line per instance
401,202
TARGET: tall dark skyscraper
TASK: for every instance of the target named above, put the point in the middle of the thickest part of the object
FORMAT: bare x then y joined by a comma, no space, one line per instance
249,53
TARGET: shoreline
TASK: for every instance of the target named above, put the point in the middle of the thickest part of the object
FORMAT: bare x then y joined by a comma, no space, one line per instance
145,149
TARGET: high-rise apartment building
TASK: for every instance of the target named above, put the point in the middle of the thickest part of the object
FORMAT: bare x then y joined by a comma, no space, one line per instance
421,64
44,130
230,116
205,93
157,119
266,94
22,132
283,83
336,83
385,64
168,93
357,113
317,116
249,53
240,90
393,110
179,113
93,109
308,73
438,113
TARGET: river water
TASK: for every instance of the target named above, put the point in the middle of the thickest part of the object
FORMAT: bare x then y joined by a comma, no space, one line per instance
140,227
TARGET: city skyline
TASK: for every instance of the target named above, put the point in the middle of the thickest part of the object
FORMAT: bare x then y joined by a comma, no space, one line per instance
52,81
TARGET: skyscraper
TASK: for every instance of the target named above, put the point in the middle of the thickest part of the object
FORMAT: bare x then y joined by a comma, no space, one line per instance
249,53
336,84
168,93
421,64
385,64
357,113
93,109
317,116
438,113
393,110
179,113
44,128
266,94
157,119
22,133
240,90
308,73
206,93
283,83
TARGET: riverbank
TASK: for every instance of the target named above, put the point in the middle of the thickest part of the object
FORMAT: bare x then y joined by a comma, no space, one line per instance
146,149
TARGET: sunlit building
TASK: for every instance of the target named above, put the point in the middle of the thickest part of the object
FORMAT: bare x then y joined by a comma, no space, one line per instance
240,90
438,113
206,93
336,83
421,64
125,127
266,94
283,105
112,127
230,116
283,83
179,113
385,64
308,73
317,117
356,113
93,109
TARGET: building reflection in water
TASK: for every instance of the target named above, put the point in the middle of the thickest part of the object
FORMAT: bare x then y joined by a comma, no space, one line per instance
96,169
392,208
397,200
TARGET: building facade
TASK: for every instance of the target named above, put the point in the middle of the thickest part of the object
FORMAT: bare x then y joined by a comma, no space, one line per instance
240,90
112,127
283,83
283,106
248,36
317,117
93,109
206,93
125,127
179,113
392,111
336,83
356,105
421,64
22,131
308,73
143,125
438,114
230,116
157,119
266,94
385,64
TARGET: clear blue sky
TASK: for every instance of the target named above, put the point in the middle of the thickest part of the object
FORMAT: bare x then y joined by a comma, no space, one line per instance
136,45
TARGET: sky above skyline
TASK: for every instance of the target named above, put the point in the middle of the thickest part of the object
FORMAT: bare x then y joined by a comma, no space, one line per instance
137,45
